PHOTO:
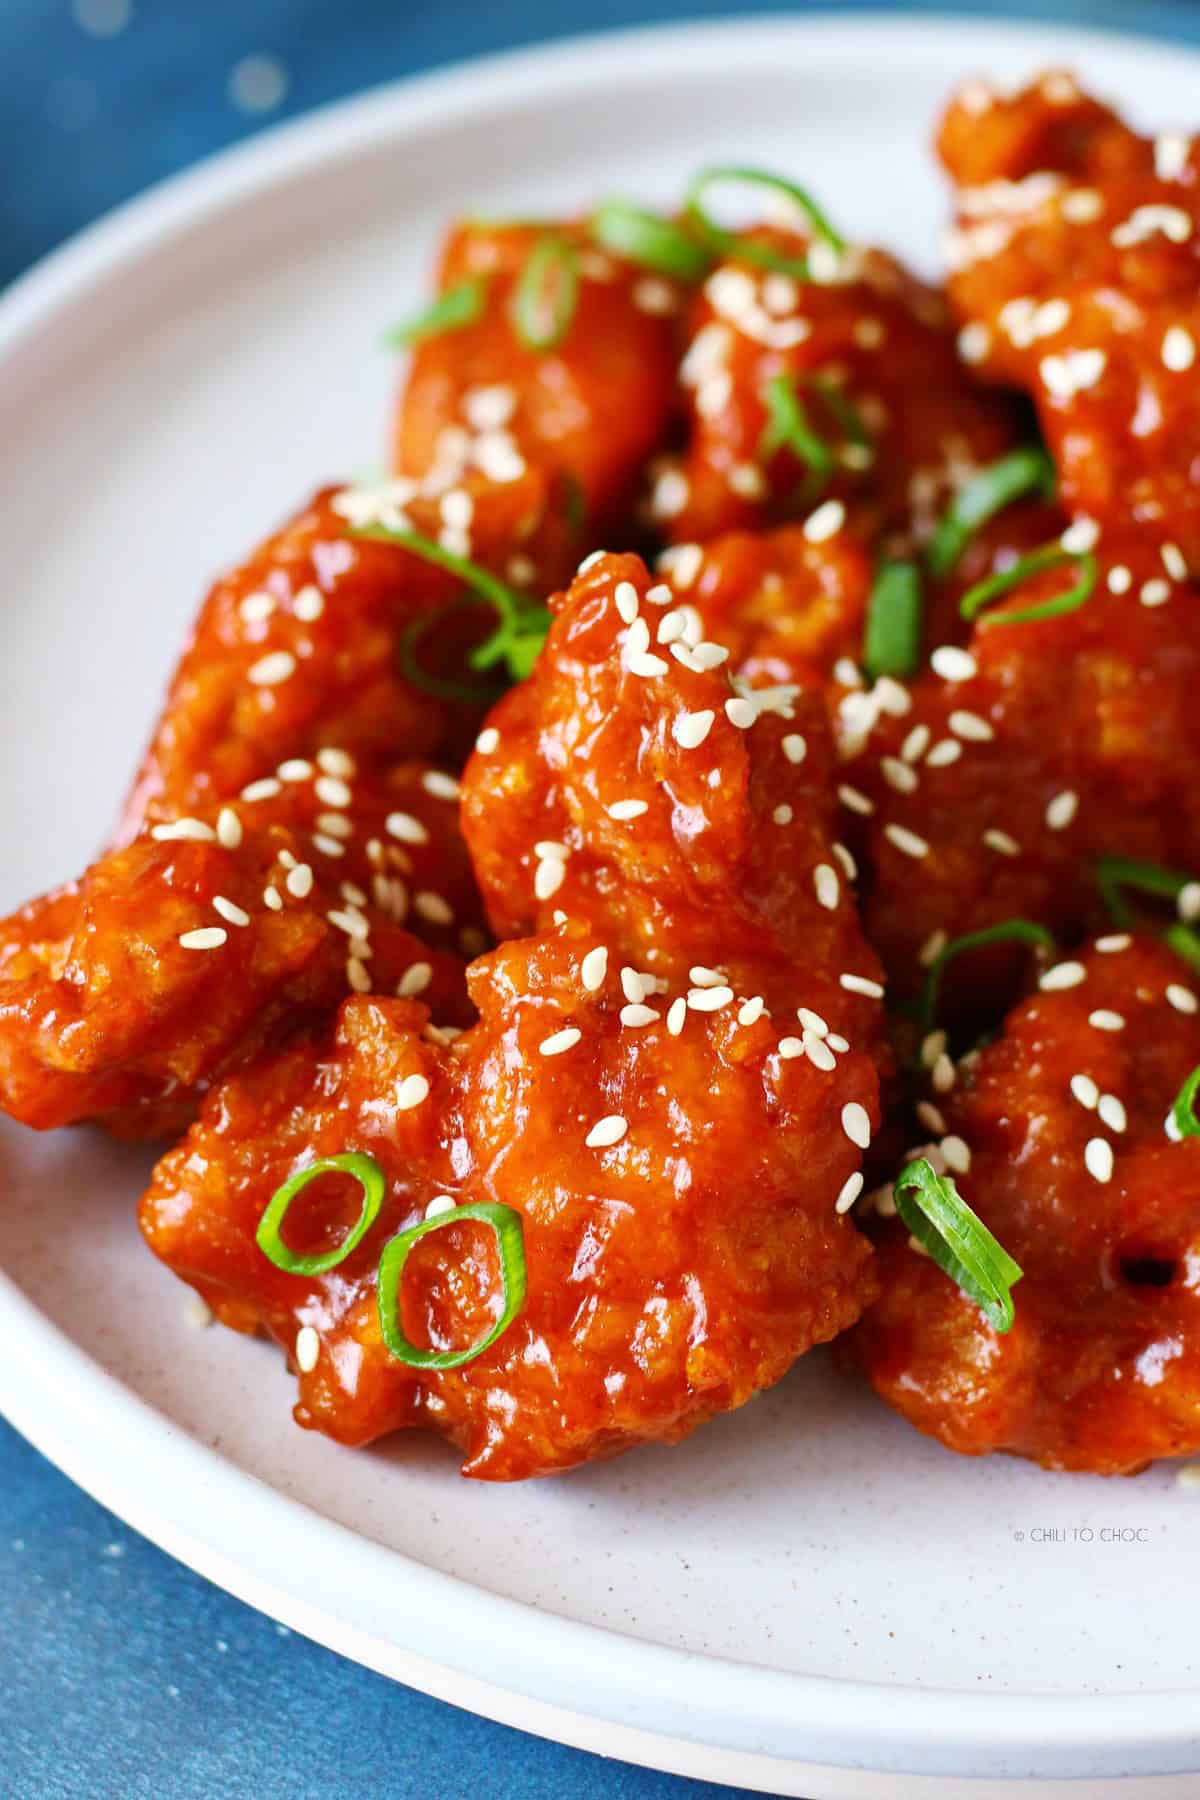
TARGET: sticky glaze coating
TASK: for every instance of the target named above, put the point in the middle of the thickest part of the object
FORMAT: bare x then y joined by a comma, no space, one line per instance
1071,1166
672,1274
315,885
1074,269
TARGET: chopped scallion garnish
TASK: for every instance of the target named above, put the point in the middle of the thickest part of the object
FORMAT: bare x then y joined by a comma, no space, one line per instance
729,243
892,639
546,294
458,306
510,1241
788,428
649,240
1048,557
1021,931
958,1240
986,494
369,1175
1113,873
1183,1110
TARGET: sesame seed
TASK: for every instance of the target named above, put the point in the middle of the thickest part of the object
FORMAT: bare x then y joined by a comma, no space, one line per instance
353,893
1182,998
257,606
953,664
933,1045
558,1041
812,1021
1120,579
795,748
1080,536
327,845
440,1205
1171,151
825,522
899,775
637,1014
819,1054
277,666
295,769
790,1048
751,1010
1085,1091
193,831
943,1075
632,985
974,342
1104,1019
740,712
1155,592
1187,902
861,984
1098,1159
308,1349
783,815
433,908
261,790
699,976
1002,843
852,1187
232,914
690,729
548,877
331,791
931,1116
437,784
1178,349
906,841
1062,975
709,999
415,979
676,1016
625,598
944,752
309,603
1061,810
606,1131
272,900
1118,940
956,1153
660,594
408,830
1082,205
970,726
352,923
855,801
594,968
827,886
411,1091
856,1124
628,809
229,828
1174,562
488,740
551,848
357,975
335,825
931,949
208,937
849,866
1112,1112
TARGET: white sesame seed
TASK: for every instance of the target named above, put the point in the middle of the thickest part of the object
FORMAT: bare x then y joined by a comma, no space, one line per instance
636,1014
1080,536
628,809
1120,579
1062,975
1104,1019
438,785
944,752
818,1053
433,908
308,1349
277,666
906,841
272,900
594,968
970,726
852,1187
931,1116
257,606
1098,1159
690,729
827,886
1187,902
1061,810
351,922
1178,349
899,775
411,1091
943,1075
861,984
795,748
676,1016
606,1131
1118,940
740,712
353,893
335,825
232,914
193,831
229,828
856,1124
488,740
632,985
327,845
709,999
953,664
558,1041
625,598
1085,1091
439,1206
331,791
826,522
1002,842
408,830
309,603
974,342
812,1021
266,789
931,949
933,1045
1174,561
783,814
415,979
790,1048
1112,1112
208,937
751,1010
1082,205
855,801
1182,998
700,976
357,975
295,769
956,1153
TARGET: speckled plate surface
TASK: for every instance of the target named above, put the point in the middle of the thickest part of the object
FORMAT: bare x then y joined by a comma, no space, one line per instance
808,1597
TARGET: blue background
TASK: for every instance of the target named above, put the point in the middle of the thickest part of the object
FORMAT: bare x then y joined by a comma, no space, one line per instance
122,1674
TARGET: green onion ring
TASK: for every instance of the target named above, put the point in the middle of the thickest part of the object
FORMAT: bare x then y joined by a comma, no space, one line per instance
649,240
1048,557
788,428
1116,872
510,1241
1183,1108
369,1175
546,294
728,243
458,306
1022,931
958,1240
892,639
989,492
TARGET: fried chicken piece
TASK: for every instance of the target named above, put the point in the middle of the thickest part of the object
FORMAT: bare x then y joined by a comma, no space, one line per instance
210,940
679,1259
303,646
1071,1165
1076,271
631,787
995,783
867,354
585,410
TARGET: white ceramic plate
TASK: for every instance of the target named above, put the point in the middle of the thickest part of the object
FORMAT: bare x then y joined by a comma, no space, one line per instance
808,1598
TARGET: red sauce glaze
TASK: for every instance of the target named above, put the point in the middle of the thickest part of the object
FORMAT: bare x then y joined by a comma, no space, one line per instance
585,414
1101,1370
106,1015
671,1274
1076,265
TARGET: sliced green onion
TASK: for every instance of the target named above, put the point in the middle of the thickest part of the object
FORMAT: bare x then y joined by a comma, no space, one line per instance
369,1175
1048,557
1116,872
442,687
458,306
1183,1110
1021,931
520,631
574,501
788,428
854,426
728,243
547,293
989,492
892,640
510,1241
649,240
1185,943
958,1240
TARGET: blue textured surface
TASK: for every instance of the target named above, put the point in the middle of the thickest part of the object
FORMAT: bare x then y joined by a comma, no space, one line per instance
122,1674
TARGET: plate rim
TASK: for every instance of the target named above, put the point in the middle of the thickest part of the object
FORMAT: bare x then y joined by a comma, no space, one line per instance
632,1685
